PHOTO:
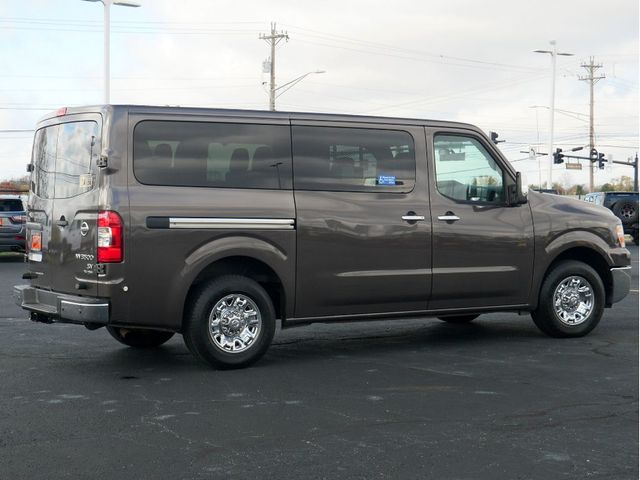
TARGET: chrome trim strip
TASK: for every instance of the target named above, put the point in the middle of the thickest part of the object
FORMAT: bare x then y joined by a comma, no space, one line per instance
487,269
237,223
385,273
78,304
621,268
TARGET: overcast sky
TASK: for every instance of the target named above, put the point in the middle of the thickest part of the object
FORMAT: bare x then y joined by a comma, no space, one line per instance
468,61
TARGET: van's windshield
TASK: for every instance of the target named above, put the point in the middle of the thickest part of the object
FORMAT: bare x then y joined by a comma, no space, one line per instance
63,156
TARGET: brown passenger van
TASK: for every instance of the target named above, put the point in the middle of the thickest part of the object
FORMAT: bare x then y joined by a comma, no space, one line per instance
215,224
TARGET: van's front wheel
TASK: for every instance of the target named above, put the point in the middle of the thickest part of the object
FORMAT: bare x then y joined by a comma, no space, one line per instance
230,323
571,300
139,338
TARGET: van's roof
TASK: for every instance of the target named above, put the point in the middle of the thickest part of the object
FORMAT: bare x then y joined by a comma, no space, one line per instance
336,117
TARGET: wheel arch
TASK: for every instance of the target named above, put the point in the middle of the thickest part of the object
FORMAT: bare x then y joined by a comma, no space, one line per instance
245,266
270,261
585,254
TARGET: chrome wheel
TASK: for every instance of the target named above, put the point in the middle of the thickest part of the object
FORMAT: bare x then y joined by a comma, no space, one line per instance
573,300
234,323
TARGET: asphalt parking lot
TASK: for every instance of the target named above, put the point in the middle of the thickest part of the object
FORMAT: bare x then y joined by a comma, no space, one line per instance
406,399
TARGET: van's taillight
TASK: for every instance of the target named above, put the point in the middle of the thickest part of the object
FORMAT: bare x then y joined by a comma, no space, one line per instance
61,112
110,234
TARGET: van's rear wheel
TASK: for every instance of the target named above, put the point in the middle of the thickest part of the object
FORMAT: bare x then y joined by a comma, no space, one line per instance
459,318
230,323
139,338
571,300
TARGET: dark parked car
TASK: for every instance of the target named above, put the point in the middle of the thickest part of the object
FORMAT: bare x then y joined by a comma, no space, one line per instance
12,223
624,205
552,191
215,224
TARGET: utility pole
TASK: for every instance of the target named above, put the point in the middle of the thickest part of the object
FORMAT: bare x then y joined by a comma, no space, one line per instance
273,39
591,69
632,163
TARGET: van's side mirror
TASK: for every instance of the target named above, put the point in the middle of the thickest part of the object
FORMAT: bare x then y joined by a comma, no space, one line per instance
518,197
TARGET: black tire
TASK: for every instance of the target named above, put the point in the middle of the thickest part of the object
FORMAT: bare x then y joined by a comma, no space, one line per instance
545,316
459,319
140,338
202,344
626,211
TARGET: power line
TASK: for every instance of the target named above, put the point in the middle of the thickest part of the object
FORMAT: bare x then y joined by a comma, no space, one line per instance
166,27
440,57
459,94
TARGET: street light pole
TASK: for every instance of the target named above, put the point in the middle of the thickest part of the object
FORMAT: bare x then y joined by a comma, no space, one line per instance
554,53
106,68
283,88
107,41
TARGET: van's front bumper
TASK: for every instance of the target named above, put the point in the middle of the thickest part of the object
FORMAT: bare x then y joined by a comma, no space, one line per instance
621,283
61,307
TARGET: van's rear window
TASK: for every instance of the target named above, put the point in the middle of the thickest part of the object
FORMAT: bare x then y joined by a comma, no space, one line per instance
62,157
207,154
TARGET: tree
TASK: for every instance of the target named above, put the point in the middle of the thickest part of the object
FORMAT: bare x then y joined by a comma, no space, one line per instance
558,188
15,185
622,184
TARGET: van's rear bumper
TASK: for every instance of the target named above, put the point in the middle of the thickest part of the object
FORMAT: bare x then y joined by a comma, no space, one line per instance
61,307
621,283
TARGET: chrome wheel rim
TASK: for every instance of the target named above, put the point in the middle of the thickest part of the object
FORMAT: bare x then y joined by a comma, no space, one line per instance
573,300
234,323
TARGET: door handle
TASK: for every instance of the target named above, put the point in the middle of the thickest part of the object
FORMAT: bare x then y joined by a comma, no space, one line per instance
62,222
411,217
449,217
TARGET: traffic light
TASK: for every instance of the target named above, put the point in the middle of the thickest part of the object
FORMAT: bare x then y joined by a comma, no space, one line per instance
593,155
558,156
601,161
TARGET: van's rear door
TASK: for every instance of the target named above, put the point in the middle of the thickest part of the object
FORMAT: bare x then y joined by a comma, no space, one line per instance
64,205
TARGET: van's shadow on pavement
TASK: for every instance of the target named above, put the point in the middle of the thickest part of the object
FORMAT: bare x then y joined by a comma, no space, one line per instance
316,348
434,336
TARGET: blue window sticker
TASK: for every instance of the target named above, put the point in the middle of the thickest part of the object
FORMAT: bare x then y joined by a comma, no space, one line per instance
386,179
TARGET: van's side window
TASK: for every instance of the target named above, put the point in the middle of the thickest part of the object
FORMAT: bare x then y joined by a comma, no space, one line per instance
465,171
353,159
204,154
